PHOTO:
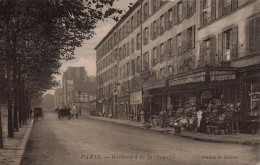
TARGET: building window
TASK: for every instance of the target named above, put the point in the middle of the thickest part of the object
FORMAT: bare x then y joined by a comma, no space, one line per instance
132,23
179,42
146,10
146,60
227,45
154,56
138,17
254,35
128,49
162,52
170,48
128,69
226,6
124,51
133,66
170,70
170,18
179,18
138,64
138,41
208,51
154,31
146,36
132,45
191,37
162,24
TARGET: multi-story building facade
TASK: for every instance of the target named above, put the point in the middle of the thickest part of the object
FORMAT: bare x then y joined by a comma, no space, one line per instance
171,54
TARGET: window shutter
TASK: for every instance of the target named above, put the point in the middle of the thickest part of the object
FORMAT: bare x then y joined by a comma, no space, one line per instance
165,51
174,12
251,41
184,8
234,41
194,6
220,48
174,46
201,13
184,40
166,20
147,39
193,37
151,31
158,30
257,33
213,10
234,4
158,53
144,37
128,48
220,8
212,50
201,59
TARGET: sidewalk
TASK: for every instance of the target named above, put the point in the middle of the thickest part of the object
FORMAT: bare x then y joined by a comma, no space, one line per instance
246,139
14,148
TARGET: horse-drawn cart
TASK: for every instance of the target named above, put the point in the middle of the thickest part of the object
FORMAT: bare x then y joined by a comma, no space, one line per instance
38,113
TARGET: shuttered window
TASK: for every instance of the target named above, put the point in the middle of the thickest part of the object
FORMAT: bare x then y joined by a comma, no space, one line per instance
132,45
179,12
146,35
161,52
207,52
146,60
226,6
254,35
179,42
138,41
133,66
162,24
154,56
138,64
191,37
154,31
169,19
146,10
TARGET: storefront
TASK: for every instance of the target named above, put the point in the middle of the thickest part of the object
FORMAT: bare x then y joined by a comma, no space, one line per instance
136,101
122,107
250,99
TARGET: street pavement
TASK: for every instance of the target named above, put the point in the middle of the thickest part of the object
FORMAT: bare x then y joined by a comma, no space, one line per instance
94,142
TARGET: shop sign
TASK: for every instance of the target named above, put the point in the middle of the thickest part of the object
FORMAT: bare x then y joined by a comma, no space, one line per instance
222,75
196,77
153,86
136,97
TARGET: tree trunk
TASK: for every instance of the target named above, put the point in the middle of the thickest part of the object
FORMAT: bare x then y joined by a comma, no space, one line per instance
16,127
20,102
1,133
9,99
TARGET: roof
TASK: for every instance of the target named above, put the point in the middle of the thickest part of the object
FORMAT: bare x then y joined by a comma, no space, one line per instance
119,22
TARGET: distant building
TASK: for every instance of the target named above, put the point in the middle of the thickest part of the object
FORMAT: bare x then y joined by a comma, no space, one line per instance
58,98
76,84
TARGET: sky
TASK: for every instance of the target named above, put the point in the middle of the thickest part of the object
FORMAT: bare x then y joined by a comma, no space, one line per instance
86,55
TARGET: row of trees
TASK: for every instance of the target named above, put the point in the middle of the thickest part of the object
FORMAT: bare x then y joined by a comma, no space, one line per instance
35,35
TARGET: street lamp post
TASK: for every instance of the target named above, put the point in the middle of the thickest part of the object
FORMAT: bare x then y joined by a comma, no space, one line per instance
79,92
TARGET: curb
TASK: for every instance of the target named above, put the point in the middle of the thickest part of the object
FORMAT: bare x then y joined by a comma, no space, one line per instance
186,136
25,140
